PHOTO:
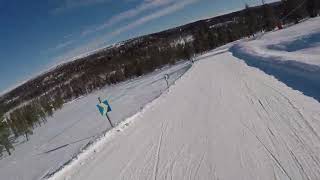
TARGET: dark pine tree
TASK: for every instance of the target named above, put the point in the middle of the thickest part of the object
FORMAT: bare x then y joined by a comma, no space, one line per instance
313,7
294,10
5,137
269,17
251,20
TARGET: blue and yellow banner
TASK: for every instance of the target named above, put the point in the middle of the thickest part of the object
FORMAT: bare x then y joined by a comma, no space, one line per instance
104,107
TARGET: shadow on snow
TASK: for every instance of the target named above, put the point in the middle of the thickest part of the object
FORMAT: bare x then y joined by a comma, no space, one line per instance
299,76
305,42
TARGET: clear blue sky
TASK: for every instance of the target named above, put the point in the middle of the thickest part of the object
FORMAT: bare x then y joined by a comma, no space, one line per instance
37,34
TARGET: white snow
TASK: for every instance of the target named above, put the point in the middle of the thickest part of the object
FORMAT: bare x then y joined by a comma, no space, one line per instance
79,123
291,55
299,43
182,41
222,120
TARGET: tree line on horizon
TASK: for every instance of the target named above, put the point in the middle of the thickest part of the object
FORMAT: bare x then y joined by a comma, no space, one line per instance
142,56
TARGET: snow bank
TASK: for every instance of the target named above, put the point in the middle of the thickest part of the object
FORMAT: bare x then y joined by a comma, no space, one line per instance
291,55
297,43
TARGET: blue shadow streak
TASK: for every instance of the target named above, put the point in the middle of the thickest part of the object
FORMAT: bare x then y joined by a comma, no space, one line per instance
299,76
298,44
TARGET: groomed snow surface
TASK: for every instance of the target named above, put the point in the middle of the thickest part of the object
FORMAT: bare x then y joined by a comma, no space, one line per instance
222,120
79,123
291,55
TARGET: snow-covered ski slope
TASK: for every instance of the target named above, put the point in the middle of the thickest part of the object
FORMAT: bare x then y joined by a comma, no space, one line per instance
299,43
222,120
79,123
291,55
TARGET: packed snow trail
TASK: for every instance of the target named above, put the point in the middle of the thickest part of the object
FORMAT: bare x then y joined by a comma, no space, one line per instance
222,120
292,55
79,123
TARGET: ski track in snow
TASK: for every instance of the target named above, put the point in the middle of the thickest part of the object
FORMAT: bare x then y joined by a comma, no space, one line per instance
221,120
79,123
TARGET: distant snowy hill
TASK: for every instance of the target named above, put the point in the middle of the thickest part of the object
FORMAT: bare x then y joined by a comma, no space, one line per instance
93,69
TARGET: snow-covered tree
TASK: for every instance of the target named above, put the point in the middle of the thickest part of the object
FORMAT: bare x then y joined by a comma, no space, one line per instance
4,137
